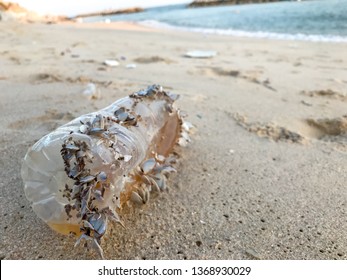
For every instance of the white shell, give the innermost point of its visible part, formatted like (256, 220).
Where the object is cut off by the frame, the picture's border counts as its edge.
(201, 54)
(111, 62)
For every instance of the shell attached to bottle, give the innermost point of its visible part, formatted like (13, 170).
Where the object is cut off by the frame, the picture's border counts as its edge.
(80, 176)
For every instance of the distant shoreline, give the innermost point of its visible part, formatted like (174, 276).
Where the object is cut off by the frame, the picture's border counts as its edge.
(138, 26)
(208, 3)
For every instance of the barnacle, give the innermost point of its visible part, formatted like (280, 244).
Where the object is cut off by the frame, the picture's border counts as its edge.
(81, 175)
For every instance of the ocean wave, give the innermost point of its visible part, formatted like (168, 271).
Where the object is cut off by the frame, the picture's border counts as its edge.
(241, 33)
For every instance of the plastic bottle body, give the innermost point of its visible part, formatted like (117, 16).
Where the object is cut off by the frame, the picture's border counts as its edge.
(116, 140)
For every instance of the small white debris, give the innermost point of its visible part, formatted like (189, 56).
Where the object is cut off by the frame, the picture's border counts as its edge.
(306, 103)
(201, 221)
(131, 66)
(231, 151)
(111, 63)
(201, 54)
(91, 91)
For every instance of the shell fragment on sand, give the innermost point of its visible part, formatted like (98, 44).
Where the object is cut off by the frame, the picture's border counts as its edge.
(111, 63)
(200, 54)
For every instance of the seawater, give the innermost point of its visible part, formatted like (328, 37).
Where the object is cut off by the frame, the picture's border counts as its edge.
(321, 20)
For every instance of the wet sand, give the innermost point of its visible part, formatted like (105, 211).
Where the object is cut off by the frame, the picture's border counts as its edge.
(265, 174)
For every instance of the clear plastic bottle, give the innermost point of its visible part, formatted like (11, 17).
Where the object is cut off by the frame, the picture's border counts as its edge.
(79, 175)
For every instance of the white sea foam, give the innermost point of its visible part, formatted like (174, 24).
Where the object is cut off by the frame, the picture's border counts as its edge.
(240, 33)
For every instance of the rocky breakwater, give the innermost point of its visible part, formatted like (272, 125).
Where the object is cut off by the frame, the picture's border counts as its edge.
(203, 3)
(111, 12)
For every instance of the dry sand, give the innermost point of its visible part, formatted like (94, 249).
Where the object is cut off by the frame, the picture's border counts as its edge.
(264, 177)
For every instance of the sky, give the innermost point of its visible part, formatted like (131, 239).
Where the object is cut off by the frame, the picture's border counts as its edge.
(73, 7)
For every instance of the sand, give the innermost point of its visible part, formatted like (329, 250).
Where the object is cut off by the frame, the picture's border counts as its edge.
(265, 174)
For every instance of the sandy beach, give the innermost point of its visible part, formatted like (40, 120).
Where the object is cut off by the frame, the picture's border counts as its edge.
(264, 177)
